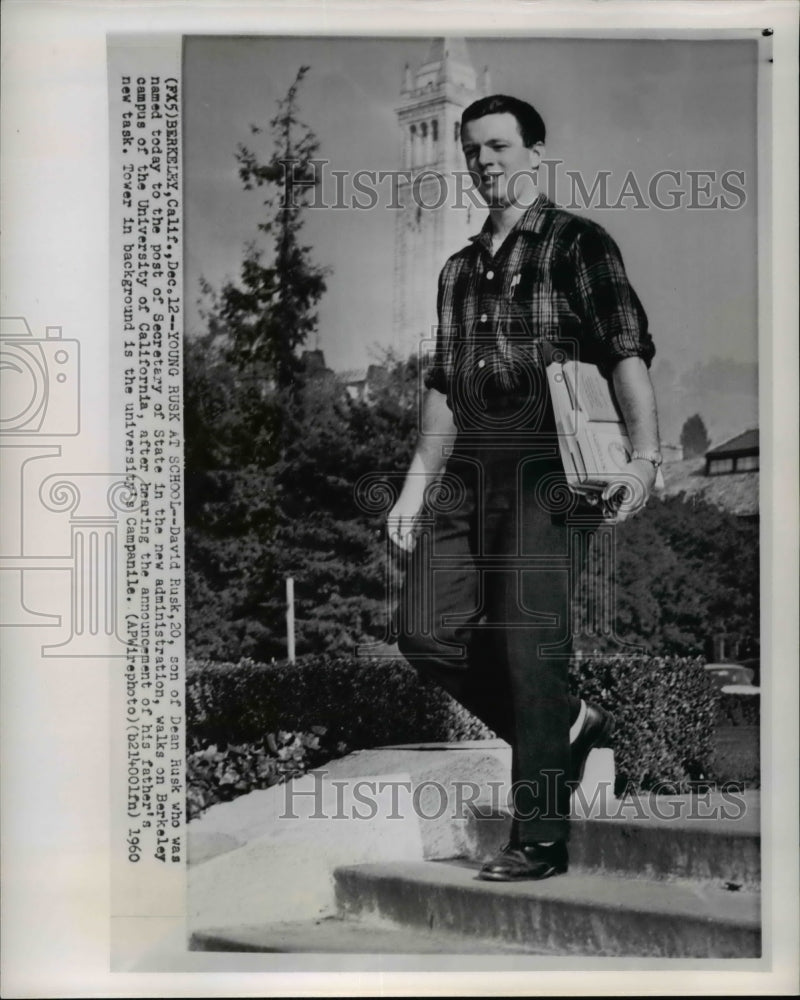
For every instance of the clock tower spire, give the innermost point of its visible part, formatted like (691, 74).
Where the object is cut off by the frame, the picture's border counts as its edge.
(435, 220)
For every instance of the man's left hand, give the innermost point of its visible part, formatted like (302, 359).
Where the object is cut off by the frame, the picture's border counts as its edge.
(636, 482)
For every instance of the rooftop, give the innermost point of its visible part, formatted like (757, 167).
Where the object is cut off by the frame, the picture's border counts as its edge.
(747, 441)
(736, 492)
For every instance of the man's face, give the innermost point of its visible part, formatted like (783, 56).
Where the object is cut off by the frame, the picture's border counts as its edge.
(500, 165)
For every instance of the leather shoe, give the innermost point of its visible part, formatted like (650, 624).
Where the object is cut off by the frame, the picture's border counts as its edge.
(596, 730)
(526, 861)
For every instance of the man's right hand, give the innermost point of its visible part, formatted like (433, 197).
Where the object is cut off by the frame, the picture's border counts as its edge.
(436, 434)
(400, 523)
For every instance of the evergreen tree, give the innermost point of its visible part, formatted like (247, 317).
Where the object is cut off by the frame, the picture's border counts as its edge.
(239, 396)
(270, 313)
(694, 437)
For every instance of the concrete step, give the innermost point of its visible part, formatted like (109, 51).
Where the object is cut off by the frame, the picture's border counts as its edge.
(675, 837)
(332, 935)
(575, 913)
(653, 876)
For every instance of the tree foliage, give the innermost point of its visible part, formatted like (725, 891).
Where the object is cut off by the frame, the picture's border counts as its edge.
(684, 570)
(694, 437)
(271, 311)
(299, 516)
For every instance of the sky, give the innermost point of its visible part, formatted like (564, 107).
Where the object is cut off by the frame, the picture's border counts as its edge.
(617, 105)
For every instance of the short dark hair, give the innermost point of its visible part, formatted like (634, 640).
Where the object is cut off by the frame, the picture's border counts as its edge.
(529, 121)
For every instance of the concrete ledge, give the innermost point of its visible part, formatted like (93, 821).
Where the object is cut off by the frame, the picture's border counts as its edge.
(569, 914)
(285, 872)
(333, 935)
(264, 881)
(665, 837)
(415, 779)
(431, 787)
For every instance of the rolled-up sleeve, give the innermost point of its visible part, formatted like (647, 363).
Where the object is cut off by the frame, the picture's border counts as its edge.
(611, 314)
(438, 366)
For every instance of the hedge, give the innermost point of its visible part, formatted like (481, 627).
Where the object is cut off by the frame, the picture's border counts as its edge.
(666, 711)
(219, 774)
(242, 717)
(360, 702)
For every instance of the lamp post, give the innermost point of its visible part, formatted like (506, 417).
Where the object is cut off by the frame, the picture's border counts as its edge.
(290, 617)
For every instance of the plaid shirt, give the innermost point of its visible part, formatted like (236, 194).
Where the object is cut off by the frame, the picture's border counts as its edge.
(556, 278)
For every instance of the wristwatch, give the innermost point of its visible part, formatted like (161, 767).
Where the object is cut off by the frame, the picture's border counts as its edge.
(648, 456)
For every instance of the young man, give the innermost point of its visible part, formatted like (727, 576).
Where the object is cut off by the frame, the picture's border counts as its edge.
(485, 612)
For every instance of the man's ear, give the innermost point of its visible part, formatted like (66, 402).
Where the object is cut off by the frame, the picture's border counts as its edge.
(536, 152)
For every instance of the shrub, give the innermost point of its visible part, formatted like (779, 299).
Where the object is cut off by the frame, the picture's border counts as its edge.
(666, 712)
(360, 703)
(219, 775)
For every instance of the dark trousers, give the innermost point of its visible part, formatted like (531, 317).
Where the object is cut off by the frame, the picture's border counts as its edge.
(485, 610)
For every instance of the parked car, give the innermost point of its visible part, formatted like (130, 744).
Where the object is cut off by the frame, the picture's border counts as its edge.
(753, 664)
(725, 674)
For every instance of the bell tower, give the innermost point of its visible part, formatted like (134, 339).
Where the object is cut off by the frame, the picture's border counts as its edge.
(436, 216)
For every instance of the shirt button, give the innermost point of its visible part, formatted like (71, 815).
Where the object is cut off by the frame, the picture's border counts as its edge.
(490, 275)
(481, 363)
(484, 317)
